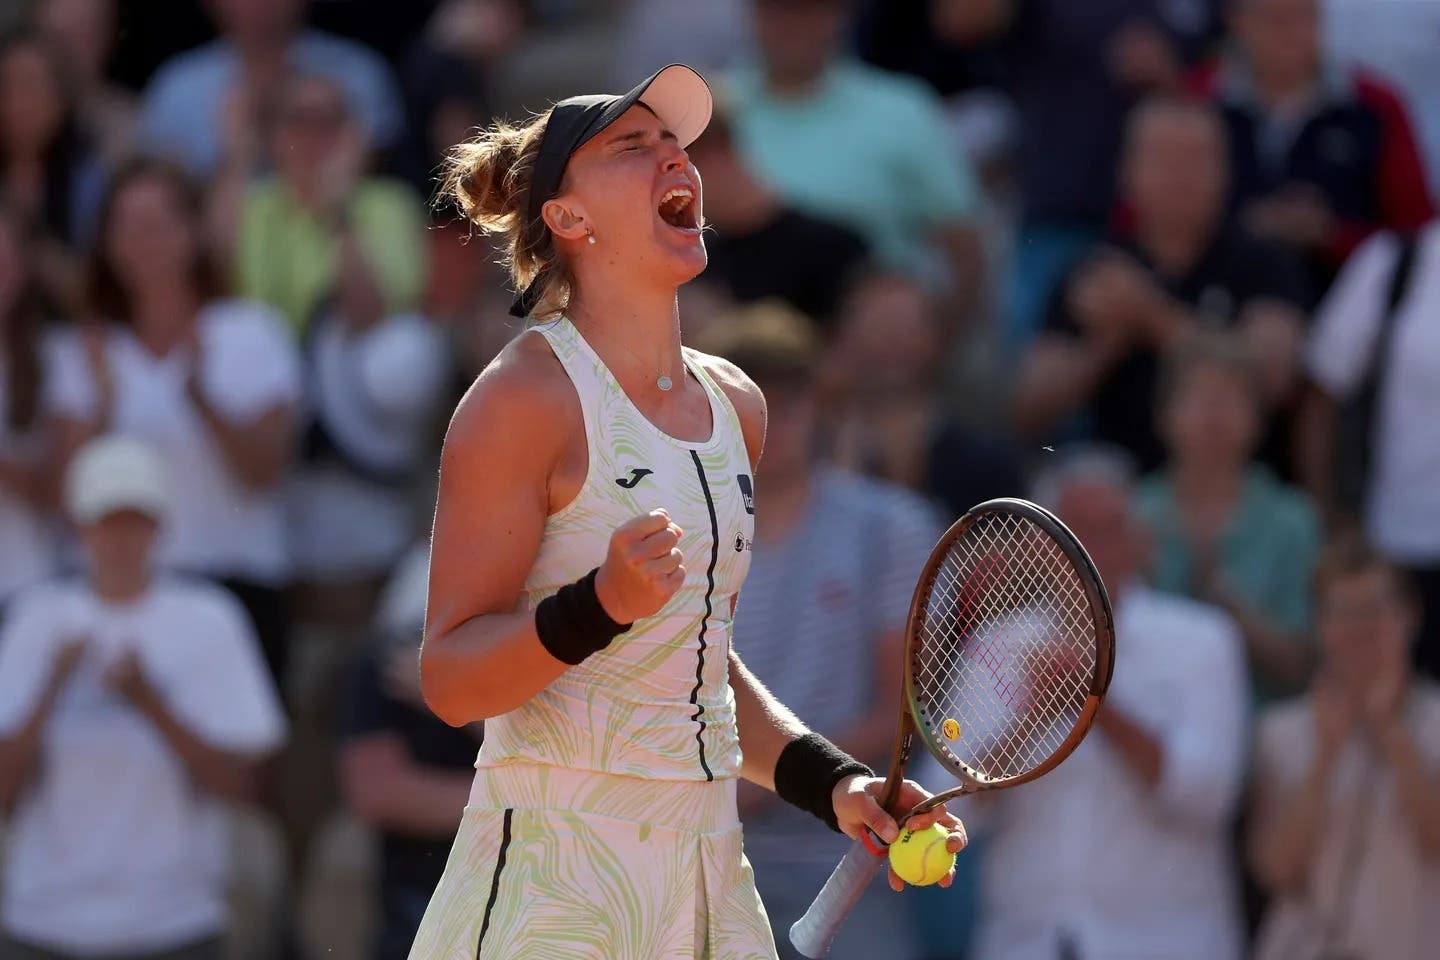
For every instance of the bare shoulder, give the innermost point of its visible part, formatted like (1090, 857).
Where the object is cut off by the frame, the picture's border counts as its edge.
(744, 396)
(522, 400)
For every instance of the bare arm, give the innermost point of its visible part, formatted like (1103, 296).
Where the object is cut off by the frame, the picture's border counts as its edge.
(1056, 379)
(257, 452)
(966, 256)
(766, 725)
(1417, 788)
(481, 656)
(31, 482)
(358, 291)
(500, 478)
(1315, 449)
(1280, 656)
(224, 773)
(387, 787)
(20, 752)
(1288, 827)
(1141, 749)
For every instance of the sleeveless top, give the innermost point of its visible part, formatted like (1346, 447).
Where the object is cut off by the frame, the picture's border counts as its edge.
(657, 702)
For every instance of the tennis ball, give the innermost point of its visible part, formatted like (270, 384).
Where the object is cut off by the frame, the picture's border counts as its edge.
(920, 858)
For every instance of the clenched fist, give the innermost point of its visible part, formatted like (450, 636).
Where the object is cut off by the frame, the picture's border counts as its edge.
(643, 568)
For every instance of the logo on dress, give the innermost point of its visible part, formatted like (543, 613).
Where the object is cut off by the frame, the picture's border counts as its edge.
(742, 543)
(636, 475)
(747, 490)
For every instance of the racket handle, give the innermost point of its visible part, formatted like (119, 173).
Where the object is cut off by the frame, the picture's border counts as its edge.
(813, 933)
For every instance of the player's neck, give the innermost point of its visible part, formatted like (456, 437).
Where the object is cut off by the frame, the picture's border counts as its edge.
(645, 330)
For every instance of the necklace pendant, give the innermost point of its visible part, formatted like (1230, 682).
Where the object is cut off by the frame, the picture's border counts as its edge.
(664, 382)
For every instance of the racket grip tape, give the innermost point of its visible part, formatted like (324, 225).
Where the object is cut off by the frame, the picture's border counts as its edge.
(813, 933)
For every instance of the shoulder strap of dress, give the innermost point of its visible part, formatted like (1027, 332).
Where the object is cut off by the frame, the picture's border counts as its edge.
(586, 371)
(702, 373)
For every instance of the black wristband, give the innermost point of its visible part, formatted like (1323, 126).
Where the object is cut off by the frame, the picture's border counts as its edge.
(807, 771)
(571, 623)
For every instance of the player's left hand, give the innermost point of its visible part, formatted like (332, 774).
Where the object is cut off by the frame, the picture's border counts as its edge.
(856, 808)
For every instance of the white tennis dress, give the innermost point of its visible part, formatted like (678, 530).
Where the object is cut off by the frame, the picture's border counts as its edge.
(602, 821)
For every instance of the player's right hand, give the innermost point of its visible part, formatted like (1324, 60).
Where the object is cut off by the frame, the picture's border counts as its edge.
(643, 568)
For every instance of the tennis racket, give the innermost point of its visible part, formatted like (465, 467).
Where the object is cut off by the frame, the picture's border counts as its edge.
(1009, 648)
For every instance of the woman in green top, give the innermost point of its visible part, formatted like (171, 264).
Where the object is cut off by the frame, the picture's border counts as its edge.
(321, 231)
(1226, 530)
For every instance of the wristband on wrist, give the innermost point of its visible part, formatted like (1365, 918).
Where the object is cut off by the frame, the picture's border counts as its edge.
(572, 624)
(807, 772)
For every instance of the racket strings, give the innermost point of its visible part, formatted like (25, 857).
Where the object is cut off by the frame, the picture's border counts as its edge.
(1006, 650)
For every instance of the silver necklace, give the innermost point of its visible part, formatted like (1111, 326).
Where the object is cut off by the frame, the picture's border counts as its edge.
(662, 381)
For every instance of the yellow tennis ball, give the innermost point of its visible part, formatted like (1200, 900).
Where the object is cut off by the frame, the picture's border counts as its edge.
(920, 858)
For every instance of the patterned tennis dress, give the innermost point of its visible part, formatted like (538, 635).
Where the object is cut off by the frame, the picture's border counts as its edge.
(602, 822)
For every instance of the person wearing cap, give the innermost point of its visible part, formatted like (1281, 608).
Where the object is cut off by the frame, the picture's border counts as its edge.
(592, 531)
(132, 707)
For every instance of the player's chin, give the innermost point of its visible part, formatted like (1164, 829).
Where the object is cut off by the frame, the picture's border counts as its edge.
(682, 247)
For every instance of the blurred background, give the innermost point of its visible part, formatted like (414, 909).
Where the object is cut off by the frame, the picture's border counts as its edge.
(1170, 266)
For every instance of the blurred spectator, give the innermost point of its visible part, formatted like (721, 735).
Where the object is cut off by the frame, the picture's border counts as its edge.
(132, 707)
(821, 624)
(343, 256)
(405, 773)
(47, 171)
(1074, 69)
(1122, 850)
(84, 32)
(1402, 44)
(1371, 432)
(1226, 531)
(846, 141)
(1182, 267)
(446, 97)
(1346, 830)
(27, 546)
(195, 96)
(762, 247)
(373, 397)
(709, 36)
(213, 383)
(1321, 155)
(904, 36)
(886, 420)
(386, 27)
(321, 233)
(448, 76)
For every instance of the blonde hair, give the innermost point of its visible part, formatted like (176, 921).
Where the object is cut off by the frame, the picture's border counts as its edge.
(489, 177)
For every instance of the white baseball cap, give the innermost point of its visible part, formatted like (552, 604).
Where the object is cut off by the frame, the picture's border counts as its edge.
(115, 473)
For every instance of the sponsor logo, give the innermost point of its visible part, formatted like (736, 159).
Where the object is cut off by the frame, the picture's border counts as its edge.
(636, 475)
(747, 490)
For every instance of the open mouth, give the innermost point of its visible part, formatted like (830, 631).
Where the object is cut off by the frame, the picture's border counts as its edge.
(677, 208)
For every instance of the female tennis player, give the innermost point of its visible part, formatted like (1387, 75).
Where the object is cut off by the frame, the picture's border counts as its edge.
(591, 536)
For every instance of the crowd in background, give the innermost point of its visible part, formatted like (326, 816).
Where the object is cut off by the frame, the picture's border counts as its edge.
(1170, 267)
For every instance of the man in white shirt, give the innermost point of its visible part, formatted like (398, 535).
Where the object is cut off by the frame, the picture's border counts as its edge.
(1123, 850)
(1346, 357)
(131, 707)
